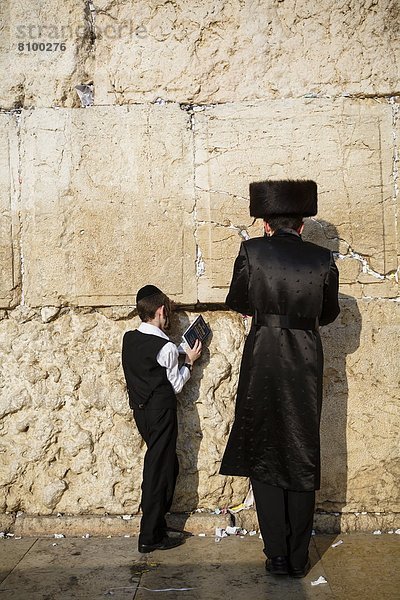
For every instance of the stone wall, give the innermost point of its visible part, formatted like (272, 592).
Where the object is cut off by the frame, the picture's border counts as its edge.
(188, 103)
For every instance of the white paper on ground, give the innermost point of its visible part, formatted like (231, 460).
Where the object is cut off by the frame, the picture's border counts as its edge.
(319, 581)
(232, 530)
(220, 532)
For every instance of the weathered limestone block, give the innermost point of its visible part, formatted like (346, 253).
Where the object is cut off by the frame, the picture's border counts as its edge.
(74, 526)
(316, 139)
(40, 72)
(381, 289)
(68, 438)
(107, 202)
(242, 51)
(136, 51)
(9, 276)
(349, 270)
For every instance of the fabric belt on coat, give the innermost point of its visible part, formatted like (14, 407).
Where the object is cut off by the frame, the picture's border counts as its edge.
(285, 321)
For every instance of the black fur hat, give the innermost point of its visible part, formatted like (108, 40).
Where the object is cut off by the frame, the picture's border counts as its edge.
(285, 197)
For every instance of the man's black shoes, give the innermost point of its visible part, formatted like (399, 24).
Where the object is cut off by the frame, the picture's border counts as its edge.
(277, 565)
(166, 544)
(298, 573)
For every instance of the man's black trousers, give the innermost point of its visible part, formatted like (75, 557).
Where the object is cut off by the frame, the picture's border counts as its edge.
(286, 519)
(159, 429)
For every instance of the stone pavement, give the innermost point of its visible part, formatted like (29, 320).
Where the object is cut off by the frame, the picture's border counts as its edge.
(363, 567)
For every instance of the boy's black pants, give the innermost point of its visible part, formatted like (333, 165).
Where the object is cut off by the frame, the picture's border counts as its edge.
(159, 428)
(286, 519)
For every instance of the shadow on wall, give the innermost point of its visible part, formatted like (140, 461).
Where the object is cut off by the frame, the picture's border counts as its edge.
(186, 497)
(339, 339)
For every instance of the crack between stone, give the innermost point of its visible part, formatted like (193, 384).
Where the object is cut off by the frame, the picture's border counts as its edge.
(199, 261)
(90, 16)
(395, 168)
(198, 107)
(17, 205)
(240, 229)
(183, 307)
(223, 192)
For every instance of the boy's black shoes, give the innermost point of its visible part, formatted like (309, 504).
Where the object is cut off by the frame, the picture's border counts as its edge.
(165, 544)
(298, 573)
(277, 565)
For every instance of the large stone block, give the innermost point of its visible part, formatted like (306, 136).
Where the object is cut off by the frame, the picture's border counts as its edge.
(36, 69)
(107, 203)
(9, 255)
(205, 52)
(344, 145)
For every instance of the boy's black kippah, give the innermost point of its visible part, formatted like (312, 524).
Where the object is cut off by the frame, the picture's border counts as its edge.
(146, 291)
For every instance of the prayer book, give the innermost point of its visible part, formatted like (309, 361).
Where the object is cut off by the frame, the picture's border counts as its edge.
(198, 330)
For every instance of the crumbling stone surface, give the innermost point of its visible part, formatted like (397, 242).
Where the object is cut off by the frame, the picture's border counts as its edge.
(69, 443)
(68, 438)
(43, 50)
(197, 52)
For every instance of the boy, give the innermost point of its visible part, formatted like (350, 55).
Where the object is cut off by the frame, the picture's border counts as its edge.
(153, 377)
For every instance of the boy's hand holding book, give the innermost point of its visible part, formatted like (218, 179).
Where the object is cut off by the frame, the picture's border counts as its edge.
(192, 354)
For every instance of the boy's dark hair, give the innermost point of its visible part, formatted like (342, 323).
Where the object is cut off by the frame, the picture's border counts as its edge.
(147, 307)
(284, 222)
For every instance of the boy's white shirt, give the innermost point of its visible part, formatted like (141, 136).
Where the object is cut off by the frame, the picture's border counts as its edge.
(168, 358)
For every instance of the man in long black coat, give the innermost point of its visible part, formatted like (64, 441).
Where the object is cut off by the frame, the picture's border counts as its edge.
(290, 288)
